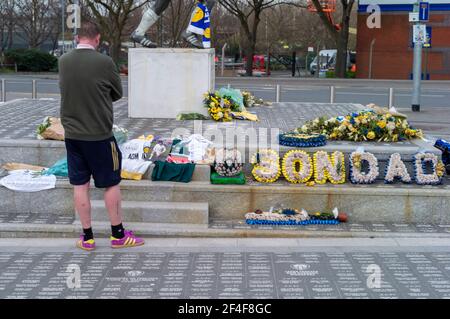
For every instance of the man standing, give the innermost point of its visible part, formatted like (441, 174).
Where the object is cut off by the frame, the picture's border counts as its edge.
(89, 84)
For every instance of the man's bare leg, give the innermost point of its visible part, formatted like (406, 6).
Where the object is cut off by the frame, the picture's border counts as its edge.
(113, 203)
(152, 12)
(83, 204)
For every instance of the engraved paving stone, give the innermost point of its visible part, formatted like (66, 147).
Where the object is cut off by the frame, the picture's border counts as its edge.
(284, 274)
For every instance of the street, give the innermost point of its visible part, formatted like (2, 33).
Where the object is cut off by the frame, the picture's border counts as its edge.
(434, 93)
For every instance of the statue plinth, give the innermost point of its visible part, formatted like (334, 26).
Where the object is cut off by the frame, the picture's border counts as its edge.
(165, 82)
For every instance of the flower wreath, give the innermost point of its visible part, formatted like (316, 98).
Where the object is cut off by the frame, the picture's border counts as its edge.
(291, 216)
(420, 163)
(357, 175)
(290, 161)
(326, 168)
(302, 140)
(396, 169)
(228, 162)
(266, 166)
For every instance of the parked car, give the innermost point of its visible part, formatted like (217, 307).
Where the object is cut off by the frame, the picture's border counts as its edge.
(328, 60)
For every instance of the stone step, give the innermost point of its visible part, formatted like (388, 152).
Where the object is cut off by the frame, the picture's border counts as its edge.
(156, 212)
(46, 153)
(103, 229)
(363, 203)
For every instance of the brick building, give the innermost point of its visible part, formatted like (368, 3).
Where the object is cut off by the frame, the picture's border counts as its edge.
(392, 53)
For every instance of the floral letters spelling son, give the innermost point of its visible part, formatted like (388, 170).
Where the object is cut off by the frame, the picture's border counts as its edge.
(300, 167)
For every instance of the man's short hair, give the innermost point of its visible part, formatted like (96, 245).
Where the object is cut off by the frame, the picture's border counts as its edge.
(88, 29)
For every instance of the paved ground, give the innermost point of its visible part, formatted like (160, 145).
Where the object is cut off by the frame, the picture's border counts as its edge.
(21, 117)
(434, 94)
(356, 228)
(228, 268)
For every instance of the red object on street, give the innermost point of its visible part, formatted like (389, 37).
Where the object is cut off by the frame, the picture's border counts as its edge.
(259, 63)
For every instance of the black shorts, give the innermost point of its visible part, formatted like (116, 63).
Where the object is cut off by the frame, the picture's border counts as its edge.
(100, 159)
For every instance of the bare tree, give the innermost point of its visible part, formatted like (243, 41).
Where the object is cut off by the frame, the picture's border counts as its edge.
(176, 18)
(113, 17)
(35, 20)
(6, 24)
(340, 34)
(249, 13)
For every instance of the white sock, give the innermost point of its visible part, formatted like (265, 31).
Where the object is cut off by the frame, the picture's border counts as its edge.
(149, 18)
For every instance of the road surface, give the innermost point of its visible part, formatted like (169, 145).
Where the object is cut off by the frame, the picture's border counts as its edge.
(434, 93)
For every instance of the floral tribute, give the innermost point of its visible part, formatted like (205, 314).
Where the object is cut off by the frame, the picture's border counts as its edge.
(219, 108)
(364, 125)
(266, 166)
(396, 169)
(228, 162)
(360, 160)
(292, 216)
(329, 168)
(295, 139)
(251, 101)
(421, 161)
(297, 166)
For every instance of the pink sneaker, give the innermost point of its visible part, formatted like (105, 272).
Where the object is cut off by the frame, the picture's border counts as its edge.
(129, 240)
(86, 244)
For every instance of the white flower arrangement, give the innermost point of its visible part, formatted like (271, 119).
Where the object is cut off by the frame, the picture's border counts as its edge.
(290, 161)
(294, 217)
(228, 162)
(396, 169)
(420, 162)
(275, 217)
(266, 166)
(357, 175)
(326, 168)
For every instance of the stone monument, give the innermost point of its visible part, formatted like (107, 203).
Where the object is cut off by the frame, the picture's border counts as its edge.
(166, 82)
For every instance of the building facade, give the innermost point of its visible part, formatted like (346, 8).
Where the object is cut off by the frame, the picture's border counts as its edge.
(389, 49)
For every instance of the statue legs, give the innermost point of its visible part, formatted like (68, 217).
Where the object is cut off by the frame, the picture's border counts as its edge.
(199, 26)
(151, 15)
(152, 12)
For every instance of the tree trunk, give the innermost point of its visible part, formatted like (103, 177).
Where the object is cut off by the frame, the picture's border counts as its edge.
(251, 39)
(10, 38)
(249, 54)
(115, 49)
(342, 45)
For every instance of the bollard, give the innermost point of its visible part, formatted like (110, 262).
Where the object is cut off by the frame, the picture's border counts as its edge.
(34, 90)
(3, 96)
(332, 94)
(278, 93)
(391, 97)
(229, 86)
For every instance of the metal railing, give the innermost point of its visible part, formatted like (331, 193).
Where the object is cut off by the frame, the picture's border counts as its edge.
(332, 96)
(277, 92)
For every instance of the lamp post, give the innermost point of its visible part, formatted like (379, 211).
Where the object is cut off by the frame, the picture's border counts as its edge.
(63, 24)
(417, 64)
(77, 23)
